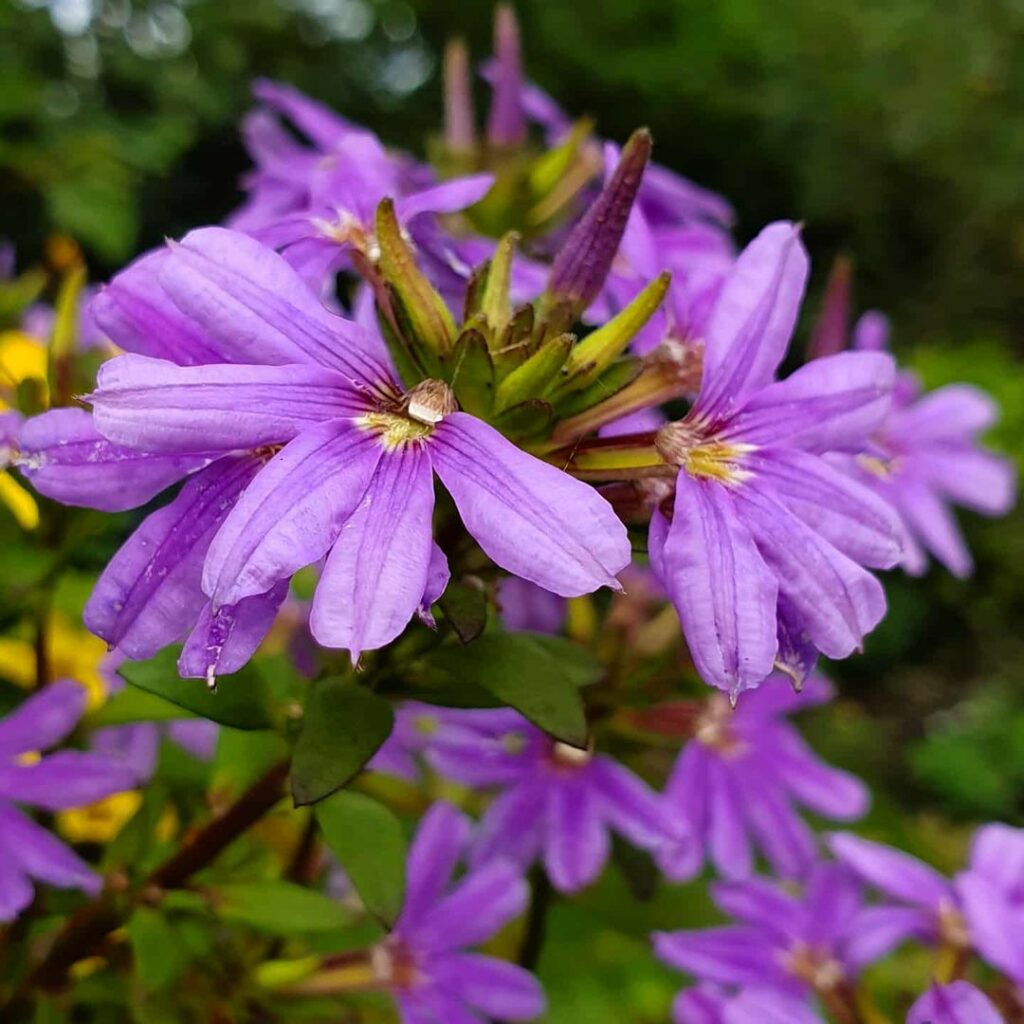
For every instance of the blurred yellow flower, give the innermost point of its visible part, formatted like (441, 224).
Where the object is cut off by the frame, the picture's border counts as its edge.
(99, 822)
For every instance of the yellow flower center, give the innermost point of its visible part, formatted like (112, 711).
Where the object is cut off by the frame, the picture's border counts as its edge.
(687, 446)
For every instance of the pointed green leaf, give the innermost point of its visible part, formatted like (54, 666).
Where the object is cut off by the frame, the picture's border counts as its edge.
(343, 726)
(465, 609)
(368, 842)
(589, 359)
(278, 908)
(241, 700)
(496, 306)
(614, 379)
(472, 376)
(538, 676)
(532, 378)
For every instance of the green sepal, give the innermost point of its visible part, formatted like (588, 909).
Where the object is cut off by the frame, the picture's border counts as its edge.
(472, 374)
(495, 305)
(619, 375)
(526, 420)
(589, 359)
(421, 307)
(515, 344)
(409, 369)
(532, 378)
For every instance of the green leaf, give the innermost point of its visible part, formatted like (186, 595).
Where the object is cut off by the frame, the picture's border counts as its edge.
(473, 374)
(539, 676)
(532, 378)
(343, 726)
(526, 419)
(465, 609)
(278, 908)
(368, 842)
(241, 700)
(135, 705)
(155, 947)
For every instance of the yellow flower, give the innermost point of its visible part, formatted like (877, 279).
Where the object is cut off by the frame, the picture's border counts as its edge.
(21, 504)
(99, 822)
(22, 357)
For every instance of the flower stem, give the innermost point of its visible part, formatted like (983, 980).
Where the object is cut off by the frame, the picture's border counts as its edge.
(537, 921)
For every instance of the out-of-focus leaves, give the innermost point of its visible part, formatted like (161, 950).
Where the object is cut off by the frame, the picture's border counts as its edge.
(136, 705)
(465, 608)
(241, 700)
(278, 908)
(368, 842)
(342, 727)
(159, 957)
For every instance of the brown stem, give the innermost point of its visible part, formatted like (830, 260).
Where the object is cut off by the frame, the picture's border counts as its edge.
(841, 1002)
(86, 930)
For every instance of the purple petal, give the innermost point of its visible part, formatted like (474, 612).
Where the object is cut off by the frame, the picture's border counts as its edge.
(825, 790)
(727, 835)
(292, 512)
(506, 123)
(497, 989)
(753, 320)
(527, 607)
(68, 778)
(977, 480)
(42, 720)
(531, 518)
(438, 575)
(786, 841)
(836, 600)
(699, 1006)
(847, 514)
(897, 874)
(149, 595)
(440, 841)
(376, 574)
(763, 1006)
(138, 316)
(15, 887)
(730, 955)
(222, 641)
(448, 197)
(687, 797)
(871, 332)
(997, 852)
(576, 842)
(134, 746)
(629, 805)
(995, 925)
(836, 402)
(721, 587)
(953, 413)
(759, 903)
(67, 459)
(481, 905)
(321, 124)
(957, 1003)
(877, 931)
(254, 305)
(43, 856)
(512, 827)
(933, 524)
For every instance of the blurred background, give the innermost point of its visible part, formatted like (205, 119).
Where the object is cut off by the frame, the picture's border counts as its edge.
(894, 128)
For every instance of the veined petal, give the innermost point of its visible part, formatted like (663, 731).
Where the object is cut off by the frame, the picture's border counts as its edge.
(994, 924)
(68, 778)
(877, 931)
(376, 573)
(438, 575)
(498, 989)
(827, 791)
(160, 407)
(727, 832)
(837, 601)
(440, 841)
(252, 303)
(852, 518)
(892, 872)
(721, 587)
(687, 797)
(138, 316)
(222, 641)
(997, 852)
(315, 120)
(779, 831)
(67, 459)
(293, 511)
(953, 413)
(531, 518)
(512, 827)
(753, 319)
(149, 594)
(932, 523)
(448, 197)
(43, 720)
(729, 955)
(576, 842)
(630, 806)
(830, 403)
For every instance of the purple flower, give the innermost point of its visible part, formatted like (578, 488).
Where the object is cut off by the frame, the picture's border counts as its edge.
(51, 782)
(926, 457)
(958, 1003)
(763, 549)
(310, 450)
(555, 802)
(797, 946)
(423, 962)
(527, 607)
(415, 726)
(710, 1005)
(736, 784)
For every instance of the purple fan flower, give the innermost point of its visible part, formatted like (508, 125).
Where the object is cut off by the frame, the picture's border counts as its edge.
(525, 607)
(736, 784)
(415, 726)
(710, 1005)
(958, 1003)
(817, 944)
(423, 962)
(763, 549)
(926, 457)
(310, 450)
(52, 782)
(556, 802)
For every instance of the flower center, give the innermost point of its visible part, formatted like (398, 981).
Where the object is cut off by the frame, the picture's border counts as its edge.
(688, 446)
(715, 730)
(421, 409)
(565, 756)
(815, 966)
(953, 928)
(394, 965)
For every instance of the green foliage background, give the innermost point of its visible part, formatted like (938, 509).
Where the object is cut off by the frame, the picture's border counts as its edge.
(894, 128)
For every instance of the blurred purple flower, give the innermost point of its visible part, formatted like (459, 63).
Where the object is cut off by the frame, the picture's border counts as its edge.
(736, 785)
(555, 802)
(710, 1005)
(51, 782)
(763, 554)
(525, 607)
(423, 962)
(796, 946)
(958, 1003)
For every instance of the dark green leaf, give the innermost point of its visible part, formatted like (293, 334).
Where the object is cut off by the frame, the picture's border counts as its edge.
(158, 959)
(136, 705)
(343, 726)
(472, 376)
(368, 842)
(241, 700)
(465, 608)
(279, 908)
